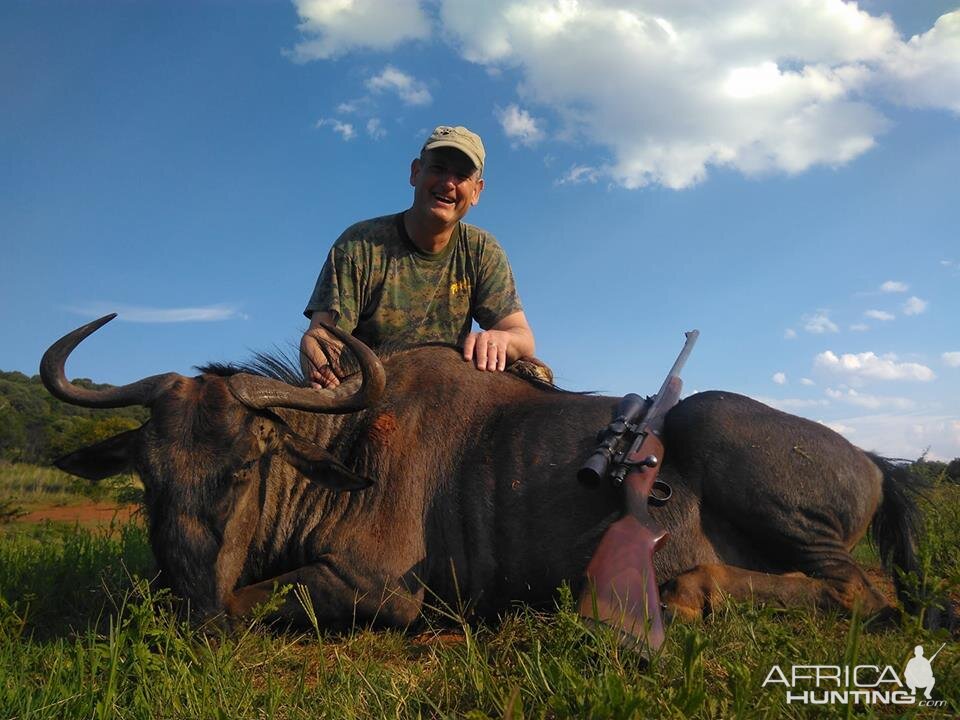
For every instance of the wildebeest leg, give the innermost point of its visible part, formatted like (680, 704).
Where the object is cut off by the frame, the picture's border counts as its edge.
(340, 598)
(697, 591)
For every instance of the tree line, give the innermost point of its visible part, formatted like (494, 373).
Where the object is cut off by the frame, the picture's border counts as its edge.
(37, 428)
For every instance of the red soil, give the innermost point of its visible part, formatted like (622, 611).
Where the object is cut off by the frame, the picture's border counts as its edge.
(92, 513)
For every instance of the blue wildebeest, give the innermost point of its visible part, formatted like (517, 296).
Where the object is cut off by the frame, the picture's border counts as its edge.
(419, 477)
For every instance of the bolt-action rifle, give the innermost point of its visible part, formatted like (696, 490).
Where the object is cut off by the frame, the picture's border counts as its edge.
(620, 588)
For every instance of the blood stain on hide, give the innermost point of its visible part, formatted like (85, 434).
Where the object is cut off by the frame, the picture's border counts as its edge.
(382, 428)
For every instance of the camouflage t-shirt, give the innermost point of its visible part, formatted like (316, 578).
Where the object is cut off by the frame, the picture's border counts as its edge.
(383, 288)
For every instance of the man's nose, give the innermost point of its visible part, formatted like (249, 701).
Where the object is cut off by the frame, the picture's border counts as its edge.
(450, 178)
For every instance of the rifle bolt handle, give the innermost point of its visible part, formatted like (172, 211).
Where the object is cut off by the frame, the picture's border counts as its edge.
(650, 461)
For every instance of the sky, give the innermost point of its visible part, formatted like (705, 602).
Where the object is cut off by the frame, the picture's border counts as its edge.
(781, 176)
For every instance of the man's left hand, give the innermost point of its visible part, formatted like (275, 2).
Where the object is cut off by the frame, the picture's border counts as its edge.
(507, 341)
(487, 349)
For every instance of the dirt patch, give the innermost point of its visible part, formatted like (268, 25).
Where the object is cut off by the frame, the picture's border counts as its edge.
(92, 513)
(882, 582)
(439, 637)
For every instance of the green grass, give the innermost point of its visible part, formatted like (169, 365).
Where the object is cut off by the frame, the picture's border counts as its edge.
(83, 635)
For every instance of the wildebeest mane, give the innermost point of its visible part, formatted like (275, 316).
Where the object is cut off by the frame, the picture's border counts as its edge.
(283, 365)
(277, 365)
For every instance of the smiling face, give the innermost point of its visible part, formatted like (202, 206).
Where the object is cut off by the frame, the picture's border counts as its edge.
(446, 185)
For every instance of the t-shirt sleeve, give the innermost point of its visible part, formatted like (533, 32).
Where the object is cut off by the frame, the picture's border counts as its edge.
(338, 289)
(495, 293)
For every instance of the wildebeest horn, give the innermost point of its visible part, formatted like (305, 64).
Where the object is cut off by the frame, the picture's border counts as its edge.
(142, 392)
(354, 394)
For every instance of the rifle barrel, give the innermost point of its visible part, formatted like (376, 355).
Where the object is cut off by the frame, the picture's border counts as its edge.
(681, 358)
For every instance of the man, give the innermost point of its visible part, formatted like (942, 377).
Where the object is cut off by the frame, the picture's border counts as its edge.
(423, 275)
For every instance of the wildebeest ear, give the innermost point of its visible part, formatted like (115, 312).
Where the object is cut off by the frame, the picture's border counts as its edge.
(108, 457)
(320, 466)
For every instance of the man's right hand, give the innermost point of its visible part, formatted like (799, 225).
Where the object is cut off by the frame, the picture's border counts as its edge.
(320, 352)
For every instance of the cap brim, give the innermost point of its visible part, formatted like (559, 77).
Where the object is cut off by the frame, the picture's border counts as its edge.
(472, 156)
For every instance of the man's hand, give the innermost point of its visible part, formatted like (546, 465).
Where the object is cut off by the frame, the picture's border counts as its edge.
(320, 352)
(504, 343)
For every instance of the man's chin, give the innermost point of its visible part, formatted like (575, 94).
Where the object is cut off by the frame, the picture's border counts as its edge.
(444, 213)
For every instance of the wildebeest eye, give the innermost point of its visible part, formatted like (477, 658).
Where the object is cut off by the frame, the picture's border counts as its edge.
(249, 464)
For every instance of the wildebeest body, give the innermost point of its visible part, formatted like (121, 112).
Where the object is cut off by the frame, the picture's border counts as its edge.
(475, 501)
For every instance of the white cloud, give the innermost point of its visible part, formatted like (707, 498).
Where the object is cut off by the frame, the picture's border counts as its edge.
(871, 366)
(914, 306)
(951, 359)
(141, 314)
(580, 174)
(894, 286)
(840, 428)
(879, 315)
(871, 402)
(789, 334)
(344, 129)
(333, 27)
(906, 436)
(859, 327)
(779, 378)
(819, 323)
(672, 89)
(375, 129)
(791, 404)
(410, 90)
(807, 381)
(519, 125)
(923, 71)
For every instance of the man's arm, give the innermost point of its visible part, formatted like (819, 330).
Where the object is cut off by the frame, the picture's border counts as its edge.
(507, 341)
(319, 350)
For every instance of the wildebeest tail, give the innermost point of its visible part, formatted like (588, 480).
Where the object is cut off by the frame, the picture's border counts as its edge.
(896, 526)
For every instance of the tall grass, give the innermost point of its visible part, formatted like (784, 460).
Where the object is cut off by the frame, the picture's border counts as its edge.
(24, 486)
(28, 485)
(84, 635)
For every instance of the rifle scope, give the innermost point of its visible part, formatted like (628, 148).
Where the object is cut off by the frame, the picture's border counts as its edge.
(629, 410)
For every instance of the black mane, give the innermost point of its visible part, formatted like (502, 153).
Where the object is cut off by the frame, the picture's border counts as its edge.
(276, 365)
(284, 365)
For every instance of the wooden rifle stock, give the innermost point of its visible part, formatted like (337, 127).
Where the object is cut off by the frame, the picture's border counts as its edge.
(621, 587)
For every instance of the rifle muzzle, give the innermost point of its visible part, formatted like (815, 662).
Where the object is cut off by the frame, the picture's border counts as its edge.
(595, 467)
(629, 410)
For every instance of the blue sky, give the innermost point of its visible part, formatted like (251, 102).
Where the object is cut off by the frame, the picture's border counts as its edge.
(780, 176)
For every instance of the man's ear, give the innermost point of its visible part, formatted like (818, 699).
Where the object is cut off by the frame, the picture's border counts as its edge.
(476, 195)
(320, 466)
(108, 457)
(415, 168)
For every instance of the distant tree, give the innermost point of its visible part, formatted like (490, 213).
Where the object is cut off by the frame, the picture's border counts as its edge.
(36, 427)
(69, 434)
(13, 435)
(953, 470)
(929, 472)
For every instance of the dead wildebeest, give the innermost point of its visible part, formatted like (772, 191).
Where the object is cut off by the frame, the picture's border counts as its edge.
(424, 473)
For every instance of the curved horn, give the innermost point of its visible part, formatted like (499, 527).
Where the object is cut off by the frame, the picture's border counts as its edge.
(350, 396)
(142, 392)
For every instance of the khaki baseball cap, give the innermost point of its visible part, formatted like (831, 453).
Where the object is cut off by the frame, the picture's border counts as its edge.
(467, 142)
